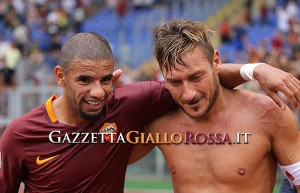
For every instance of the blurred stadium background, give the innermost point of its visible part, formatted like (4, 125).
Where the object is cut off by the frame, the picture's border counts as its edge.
(32, 32)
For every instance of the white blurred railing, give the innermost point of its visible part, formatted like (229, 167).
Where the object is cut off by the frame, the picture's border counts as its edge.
(18, 101)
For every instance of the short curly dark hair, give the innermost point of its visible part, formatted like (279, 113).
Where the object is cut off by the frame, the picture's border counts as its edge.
(85, 46)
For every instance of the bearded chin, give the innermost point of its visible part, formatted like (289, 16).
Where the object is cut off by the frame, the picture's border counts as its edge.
(91, 116)
(211, 101)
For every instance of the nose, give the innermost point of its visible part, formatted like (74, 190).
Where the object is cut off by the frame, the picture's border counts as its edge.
(97, 91)
(189, 92)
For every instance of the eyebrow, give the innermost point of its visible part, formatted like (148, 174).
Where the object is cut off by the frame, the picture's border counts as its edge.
(170, 79)
(197, 72)
(82, 76)
(110, 75)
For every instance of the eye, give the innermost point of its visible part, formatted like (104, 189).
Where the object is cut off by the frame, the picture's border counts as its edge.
(174, 82)
(195, 78)
(84, 79)
(106, 80)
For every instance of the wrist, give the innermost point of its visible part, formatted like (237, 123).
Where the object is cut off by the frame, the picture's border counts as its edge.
(248, 72)
(257, 70)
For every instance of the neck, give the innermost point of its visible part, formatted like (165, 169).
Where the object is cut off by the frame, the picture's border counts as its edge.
(66, 114)
(219, 105)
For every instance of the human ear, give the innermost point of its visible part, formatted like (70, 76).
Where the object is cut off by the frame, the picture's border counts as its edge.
(60, 76)
(216, 61)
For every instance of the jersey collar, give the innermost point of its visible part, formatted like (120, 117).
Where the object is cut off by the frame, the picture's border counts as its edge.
(49, 109)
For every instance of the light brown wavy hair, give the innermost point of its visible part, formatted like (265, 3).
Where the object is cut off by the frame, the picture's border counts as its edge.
(178, 36)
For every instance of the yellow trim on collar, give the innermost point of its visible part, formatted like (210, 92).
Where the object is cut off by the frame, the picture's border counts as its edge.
(49, 109)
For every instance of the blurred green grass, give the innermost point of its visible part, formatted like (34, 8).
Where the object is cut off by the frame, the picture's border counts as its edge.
(162, 185)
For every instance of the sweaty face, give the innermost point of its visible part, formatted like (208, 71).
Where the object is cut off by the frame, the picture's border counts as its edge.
(194, 88)
(88, 84)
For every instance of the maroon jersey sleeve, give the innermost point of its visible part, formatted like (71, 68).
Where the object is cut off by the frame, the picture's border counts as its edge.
(147, 100)
(11, 163)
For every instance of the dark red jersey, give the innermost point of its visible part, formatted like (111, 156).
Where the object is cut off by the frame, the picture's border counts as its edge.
(61, 163)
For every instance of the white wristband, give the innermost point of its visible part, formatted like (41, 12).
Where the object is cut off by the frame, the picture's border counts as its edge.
(247, 70)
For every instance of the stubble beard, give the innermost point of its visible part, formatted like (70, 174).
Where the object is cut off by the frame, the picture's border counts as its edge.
(91, 116)
(213, 99)
(211, 102)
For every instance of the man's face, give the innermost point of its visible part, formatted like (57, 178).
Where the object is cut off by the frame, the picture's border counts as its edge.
(88, 84)
(195, 87)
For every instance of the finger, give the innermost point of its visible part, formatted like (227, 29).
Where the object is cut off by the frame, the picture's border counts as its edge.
(295, 82)
(275, 98)
(117, 74)
(293, 93)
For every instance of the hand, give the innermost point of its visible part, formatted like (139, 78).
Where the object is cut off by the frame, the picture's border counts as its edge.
(116, 75)
(272, 80)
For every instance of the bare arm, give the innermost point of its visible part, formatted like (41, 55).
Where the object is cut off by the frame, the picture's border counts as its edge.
(229, 75)
(271, 81)
(285, 137)
(140, 150)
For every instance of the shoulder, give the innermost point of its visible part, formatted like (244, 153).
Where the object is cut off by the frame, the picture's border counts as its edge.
(27, 122)
(165, 121)
(20, 131)
(140, 95)
(139, 89)
(256, 102)
(267, 112)
(140, 102)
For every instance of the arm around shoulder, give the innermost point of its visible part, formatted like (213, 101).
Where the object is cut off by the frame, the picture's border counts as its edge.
(270, 79)
(140, 150)
(230, 76)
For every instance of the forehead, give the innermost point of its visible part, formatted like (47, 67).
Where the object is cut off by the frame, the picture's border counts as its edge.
(195, 60)
(92, 67)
